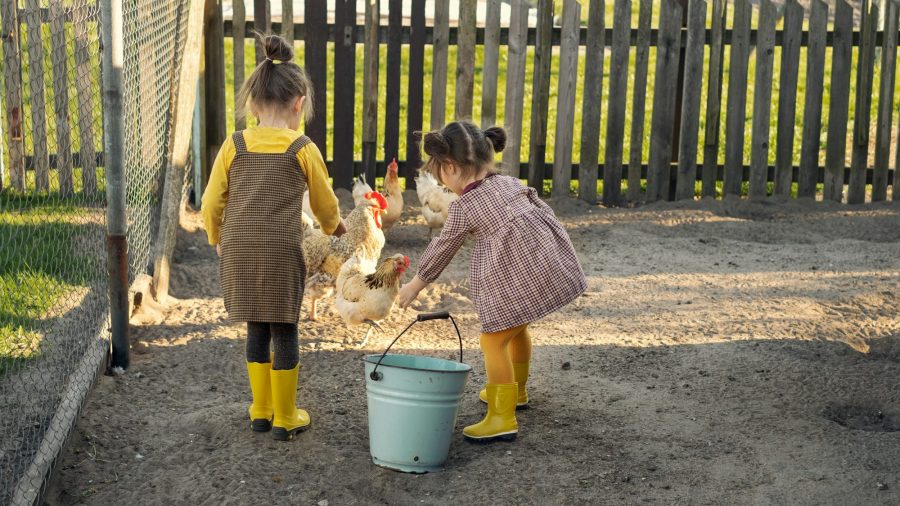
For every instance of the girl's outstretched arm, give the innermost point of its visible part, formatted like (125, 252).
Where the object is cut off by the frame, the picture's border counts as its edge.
(438, 255)
(443, 248)
(410, 291)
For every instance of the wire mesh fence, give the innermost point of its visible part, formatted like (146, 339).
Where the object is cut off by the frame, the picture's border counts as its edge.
(54, 302)
(153, 32)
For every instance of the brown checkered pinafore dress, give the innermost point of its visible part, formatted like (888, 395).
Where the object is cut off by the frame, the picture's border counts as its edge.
(262, 269)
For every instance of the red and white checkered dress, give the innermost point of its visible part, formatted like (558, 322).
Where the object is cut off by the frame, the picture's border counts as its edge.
(523, 265)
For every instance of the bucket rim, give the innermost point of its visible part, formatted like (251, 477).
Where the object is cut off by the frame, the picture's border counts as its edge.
(376, 356)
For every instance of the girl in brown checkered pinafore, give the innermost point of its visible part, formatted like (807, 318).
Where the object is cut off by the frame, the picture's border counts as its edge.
(523, 265)
(252, 208)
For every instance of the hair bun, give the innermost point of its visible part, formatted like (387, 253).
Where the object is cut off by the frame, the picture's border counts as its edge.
(435, 144)
(497, 137)
(278, 49)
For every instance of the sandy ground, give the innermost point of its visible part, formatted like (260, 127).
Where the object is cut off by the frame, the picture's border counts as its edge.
(726, 353)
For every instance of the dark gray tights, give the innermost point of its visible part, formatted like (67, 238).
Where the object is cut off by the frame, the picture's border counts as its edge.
(284, 340)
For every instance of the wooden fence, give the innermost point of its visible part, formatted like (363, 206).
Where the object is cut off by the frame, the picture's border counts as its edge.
(690, 39)
(70, 33)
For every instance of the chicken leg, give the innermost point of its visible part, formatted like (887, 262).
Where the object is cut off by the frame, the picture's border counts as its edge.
(372, 326)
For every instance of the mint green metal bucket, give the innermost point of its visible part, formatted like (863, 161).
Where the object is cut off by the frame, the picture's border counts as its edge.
(412, 403)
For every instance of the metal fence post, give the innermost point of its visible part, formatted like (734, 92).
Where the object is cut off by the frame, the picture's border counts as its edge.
(114, 142)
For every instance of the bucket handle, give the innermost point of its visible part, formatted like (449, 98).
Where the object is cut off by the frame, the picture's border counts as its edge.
(421, 317)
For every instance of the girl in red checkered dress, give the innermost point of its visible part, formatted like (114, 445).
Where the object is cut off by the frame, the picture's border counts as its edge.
(523, 264)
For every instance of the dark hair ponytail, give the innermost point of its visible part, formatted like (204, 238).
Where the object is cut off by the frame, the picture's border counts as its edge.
(497, 137)
(277, 80)
(463, 144)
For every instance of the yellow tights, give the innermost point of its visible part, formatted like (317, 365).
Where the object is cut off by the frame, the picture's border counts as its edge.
(503, 348)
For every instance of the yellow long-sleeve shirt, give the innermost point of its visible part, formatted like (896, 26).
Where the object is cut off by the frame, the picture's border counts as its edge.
(270, 140)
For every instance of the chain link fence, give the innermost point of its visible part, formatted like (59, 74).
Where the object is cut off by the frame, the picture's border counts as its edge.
(54, 302)
(153, 31)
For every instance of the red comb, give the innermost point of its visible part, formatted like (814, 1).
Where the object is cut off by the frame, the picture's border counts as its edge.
(382, 202)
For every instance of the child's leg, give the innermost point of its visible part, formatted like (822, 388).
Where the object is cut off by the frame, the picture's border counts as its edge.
(285, 342)
(520, 355)
(501, 392)
(259, 372)
(519, 351)
(258, 338)
(288, 419)
(497, 363)
(520, 346)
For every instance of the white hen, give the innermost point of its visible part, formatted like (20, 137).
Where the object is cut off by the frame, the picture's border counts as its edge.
(360, 189)
(435, 200)
(367, 295)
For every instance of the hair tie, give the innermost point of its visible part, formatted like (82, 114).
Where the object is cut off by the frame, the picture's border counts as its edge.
(274, 62)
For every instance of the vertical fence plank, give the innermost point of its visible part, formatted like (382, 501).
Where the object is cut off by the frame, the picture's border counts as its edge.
(515, 86)
(415, 92)
(663, 120)
(38, 104)
(812, 113)
(491, 64)
(315, 17)
(84, 96)
(641, 58)
(238, 31)
(787, 97)
(565, 108)
(714, 101)
(392, 86)
(540, 98)
(762, 100)
(344, 92)
(441, 38)
(61, 97)
(214, 73)
(885, 103)
(590, 115)
(836, 151)
(287, 20)
(615, 117)
(262, 23)
(12, 80)
(465, 60)
(737, 98)
(184, 97)
(370, 84)
(856, 190)
(690, 103)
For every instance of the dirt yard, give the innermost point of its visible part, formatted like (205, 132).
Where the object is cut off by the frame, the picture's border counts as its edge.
(725, 353)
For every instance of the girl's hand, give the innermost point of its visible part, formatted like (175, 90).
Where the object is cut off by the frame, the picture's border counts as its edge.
(218, 250)
(340, 230)
(409, 292)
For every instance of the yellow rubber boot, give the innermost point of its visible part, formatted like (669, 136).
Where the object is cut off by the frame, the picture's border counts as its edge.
(260, 386)
(500, 421)
(520, 374)
(288, 420)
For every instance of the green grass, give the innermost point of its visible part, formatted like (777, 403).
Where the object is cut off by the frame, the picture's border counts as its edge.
(40, 266)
